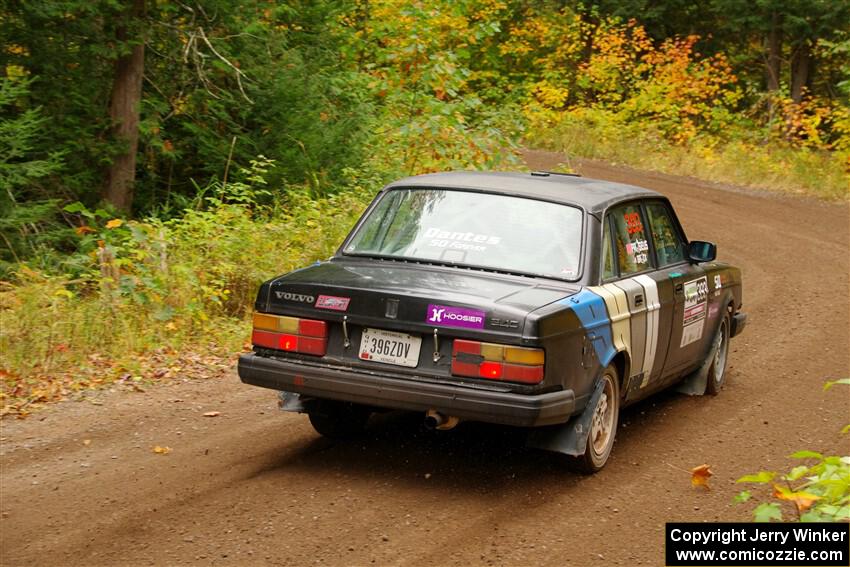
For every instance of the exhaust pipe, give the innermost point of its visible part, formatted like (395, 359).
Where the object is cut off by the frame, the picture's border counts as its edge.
(442, 422)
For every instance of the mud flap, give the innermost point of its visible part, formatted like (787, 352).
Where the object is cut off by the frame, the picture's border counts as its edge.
(696, 382)
(569, 438)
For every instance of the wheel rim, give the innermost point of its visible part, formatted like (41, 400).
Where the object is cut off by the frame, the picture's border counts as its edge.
(602, 425)
(720, 355)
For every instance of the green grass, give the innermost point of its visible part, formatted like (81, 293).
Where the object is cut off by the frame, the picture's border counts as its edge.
(770, 166)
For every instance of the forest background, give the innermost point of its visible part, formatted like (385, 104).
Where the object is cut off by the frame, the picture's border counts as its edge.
(159, 159)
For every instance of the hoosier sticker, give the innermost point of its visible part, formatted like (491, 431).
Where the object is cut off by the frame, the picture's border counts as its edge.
(447, 316)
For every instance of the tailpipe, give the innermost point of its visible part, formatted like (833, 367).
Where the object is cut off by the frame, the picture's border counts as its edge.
(440, 421)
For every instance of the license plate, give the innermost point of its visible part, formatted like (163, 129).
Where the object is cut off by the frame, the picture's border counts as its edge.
(390, 347)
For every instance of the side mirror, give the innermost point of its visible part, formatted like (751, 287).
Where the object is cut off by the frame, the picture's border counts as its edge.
(699, 251)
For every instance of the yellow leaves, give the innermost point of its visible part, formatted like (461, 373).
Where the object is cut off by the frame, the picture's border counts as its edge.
(161, 450)
(16, 71)
(803, 123)
(550, 96)
(178, 105)
(40, 395)
(802, 500)
(15, 49)
(62, 292)
(114, 223)
(700, 476)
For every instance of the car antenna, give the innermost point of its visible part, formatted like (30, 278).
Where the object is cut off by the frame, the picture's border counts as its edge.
(548, 173)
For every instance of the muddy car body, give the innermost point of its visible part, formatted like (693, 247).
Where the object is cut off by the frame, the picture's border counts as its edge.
(538, 300)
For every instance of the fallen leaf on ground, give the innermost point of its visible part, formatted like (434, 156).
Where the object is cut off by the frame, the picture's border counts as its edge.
(86, 442)
(212, 414)
(161, 450)
(700, 476)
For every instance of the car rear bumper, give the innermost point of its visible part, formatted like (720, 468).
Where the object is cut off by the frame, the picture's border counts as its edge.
(383, 390)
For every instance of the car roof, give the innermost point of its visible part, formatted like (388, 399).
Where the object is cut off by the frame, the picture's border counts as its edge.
(593, 195)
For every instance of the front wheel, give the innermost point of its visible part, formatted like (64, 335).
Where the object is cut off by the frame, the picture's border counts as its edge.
(338, 420)
(603, 425)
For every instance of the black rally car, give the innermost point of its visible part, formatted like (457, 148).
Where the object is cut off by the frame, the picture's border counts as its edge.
(539, 300)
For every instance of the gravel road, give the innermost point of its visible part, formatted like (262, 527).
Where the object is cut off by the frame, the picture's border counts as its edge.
(80, 484)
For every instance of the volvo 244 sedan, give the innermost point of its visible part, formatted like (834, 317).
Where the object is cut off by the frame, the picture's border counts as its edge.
(538, 300)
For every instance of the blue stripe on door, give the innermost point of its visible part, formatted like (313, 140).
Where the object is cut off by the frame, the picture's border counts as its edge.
(590, 310)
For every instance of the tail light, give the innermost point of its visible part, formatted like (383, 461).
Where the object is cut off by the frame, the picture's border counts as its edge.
(307, 336)
(497, 362)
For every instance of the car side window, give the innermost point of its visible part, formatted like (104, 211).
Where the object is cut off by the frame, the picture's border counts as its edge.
(669, 246)
(608, 270)
(630, 239)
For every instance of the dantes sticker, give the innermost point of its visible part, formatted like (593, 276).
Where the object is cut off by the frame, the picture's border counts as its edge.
(455, 317)
(332, 302)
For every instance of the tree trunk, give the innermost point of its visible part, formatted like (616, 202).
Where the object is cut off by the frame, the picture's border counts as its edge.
(591, 23)
(774, 52)
(800, 68)
(124, 111)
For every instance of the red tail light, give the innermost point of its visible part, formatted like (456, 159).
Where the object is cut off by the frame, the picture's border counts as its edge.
(497, 362)
(291, 334)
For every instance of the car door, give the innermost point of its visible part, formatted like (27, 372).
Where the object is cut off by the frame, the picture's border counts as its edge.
(687, 285)
(639, 302)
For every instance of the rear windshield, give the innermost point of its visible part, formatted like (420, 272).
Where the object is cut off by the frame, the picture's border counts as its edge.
(483, 230)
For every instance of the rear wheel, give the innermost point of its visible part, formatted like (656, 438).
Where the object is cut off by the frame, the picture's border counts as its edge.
(603, 425)
(338, 420)
(717, 371)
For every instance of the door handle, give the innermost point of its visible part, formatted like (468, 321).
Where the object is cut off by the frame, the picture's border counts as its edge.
(679, 288)
(639, 300)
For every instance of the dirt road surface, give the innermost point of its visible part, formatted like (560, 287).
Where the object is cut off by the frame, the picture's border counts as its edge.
(257, 486)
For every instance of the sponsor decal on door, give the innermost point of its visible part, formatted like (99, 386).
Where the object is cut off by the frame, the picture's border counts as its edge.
(693, 317)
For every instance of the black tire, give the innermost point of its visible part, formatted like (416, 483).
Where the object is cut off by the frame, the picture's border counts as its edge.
(338, 420)
(603, 426)
(717, 371)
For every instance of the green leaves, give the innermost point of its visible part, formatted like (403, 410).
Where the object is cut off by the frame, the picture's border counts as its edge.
(742, 497)
(766, 512)
(762, 477)
(832, 383)
(807, 455)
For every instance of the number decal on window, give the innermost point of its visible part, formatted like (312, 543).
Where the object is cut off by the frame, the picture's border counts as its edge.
(633, 222)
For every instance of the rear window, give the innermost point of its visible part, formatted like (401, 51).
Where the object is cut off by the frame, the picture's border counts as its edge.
(483, 230)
